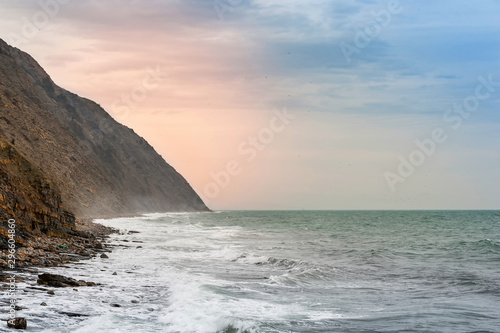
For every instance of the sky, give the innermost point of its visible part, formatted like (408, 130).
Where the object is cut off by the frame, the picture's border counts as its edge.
(273, 104)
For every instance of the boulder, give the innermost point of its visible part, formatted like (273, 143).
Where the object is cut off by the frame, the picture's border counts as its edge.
(19, 323)
(55, 280)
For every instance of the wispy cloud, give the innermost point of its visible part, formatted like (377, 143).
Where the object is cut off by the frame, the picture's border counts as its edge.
(225, 76)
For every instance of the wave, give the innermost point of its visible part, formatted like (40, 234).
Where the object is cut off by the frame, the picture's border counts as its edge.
(483, 245)
(297, 272)
(286, 263)
(232, 329)
(308, 277)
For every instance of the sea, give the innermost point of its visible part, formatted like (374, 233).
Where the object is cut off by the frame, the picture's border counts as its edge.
(284, 271)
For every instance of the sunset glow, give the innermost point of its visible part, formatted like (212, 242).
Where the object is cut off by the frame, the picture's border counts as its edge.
(199, 88)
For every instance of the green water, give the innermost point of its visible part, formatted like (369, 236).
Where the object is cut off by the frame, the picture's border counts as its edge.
(289, 271)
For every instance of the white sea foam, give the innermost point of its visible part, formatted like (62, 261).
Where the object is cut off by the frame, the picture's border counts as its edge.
(204, 273)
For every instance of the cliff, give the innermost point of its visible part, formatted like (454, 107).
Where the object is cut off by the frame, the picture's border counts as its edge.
(31, 199)
(99, 167)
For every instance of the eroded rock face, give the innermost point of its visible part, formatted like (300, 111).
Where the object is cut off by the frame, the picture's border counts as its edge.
(101, 168)
(27, 196)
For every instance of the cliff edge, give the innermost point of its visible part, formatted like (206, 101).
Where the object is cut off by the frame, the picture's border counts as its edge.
(93, 165)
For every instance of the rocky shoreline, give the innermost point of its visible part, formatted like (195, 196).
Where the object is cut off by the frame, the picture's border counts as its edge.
(44, 251)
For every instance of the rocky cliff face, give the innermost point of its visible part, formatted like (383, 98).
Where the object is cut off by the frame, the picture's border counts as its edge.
(101, 168)
(27, 196)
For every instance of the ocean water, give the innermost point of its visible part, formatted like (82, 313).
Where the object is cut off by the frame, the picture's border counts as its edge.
(286, 271)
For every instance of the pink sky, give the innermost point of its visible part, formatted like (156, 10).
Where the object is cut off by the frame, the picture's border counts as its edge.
(218, 83)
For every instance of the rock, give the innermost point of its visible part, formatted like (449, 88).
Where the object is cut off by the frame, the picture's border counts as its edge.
(55, 280)
(104, 256)
(51, 292)
(73, 314)
(116, 305)
(28, 194)
(36, 288)
(19, 323)
(133, 232)
(99, 246)
(43, 304)
(114, 273)
(139, 247)
(134, 301)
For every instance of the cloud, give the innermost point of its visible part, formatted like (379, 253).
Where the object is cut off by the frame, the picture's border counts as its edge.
(221, 78)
